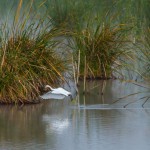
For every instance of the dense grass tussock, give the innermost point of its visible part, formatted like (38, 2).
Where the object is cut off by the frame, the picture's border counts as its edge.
(28, 60)
(103, 50)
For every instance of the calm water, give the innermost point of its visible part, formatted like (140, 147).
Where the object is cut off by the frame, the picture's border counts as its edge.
(90, 122)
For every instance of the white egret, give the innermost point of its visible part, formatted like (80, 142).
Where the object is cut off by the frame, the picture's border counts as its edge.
(58, 91)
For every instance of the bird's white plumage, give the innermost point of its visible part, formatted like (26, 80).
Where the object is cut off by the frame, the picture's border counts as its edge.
(50, 95)
(58, 90)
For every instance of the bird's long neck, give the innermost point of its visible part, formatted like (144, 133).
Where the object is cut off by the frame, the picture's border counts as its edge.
(48, 86)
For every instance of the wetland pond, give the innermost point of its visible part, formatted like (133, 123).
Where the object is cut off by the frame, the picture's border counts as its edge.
(88, 122)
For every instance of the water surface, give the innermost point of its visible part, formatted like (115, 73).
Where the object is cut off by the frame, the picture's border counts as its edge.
(83, 124)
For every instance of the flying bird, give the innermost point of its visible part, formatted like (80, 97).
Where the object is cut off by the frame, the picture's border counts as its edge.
(56, 91)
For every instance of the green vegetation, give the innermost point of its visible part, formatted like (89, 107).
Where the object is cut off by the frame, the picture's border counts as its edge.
(73, 14)
(103, 49)
(99, 38)
(28, 60)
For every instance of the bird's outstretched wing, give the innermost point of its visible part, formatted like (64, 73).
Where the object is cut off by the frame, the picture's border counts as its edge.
(50, 95)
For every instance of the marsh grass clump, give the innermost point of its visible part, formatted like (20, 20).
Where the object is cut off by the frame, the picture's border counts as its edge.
(28, 60)
(104, 50)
